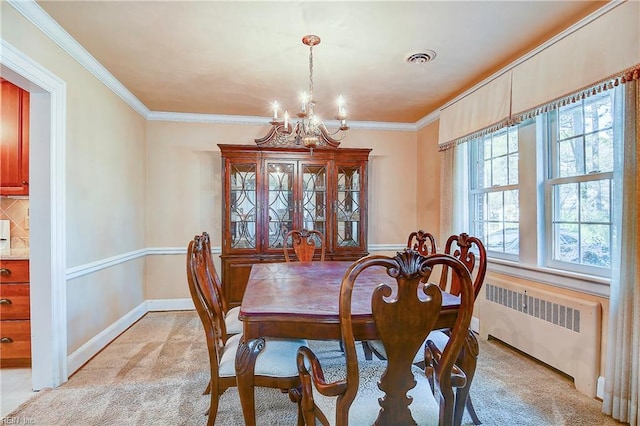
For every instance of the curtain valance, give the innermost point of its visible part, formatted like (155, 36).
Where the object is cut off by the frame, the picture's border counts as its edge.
(565, 70)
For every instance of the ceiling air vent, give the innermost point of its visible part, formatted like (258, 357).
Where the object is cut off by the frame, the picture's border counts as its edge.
(421, 57)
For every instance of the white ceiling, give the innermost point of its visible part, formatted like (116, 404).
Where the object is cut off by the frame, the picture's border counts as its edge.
(237, 57)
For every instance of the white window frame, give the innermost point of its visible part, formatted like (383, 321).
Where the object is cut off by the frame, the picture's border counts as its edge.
(549, 139)
(478, 226)
(535, 220)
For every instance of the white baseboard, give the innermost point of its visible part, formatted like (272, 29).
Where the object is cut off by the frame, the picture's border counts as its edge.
(155, 305)
(85, 352)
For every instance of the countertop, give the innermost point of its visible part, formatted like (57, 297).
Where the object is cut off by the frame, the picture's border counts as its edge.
(14, 254)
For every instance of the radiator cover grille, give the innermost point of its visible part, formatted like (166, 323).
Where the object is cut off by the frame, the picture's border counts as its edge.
(555, 313)
(561, 330)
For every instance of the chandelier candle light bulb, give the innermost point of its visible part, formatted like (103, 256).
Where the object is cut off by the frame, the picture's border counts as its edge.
(308, 131)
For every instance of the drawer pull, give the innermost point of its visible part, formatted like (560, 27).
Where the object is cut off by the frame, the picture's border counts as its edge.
(5, 302)
(6, 340)
(5, 271)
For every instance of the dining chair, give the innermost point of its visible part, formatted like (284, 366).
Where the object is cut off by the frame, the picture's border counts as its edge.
(392, 392)
(469, 250)
(232, 323)
(472, 253)
(304, 243)
(423, 242)
(275, 367)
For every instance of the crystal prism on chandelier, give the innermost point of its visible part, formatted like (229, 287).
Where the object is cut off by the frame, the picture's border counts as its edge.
(308, 130)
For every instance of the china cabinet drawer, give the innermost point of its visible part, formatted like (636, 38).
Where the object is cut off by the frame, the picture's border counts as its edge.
(14, 271)
(15, 340)
(14, 302)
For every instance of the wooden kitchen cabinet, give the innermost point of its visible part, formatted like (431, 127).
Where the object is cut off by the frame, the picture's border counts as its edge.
(14, 145)
(268, 191)
(15, 326)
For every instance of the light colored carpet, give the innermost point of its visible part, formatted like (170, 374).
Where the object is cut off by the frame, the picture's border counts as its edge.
(155, 373)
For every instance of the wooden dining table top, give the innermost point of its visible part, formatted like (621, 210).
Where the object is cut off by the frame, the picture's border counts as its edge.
(301, 299)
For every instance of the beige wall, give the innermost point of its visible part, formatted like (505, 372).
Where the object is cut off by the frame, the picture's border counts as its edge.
(428, 183)
(184, 190)
(105, 185)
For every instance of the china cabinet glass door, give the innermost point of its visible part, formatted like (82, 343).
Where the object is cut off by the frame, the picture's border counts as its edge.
(280, 202)
(348, 206)
(242, 206)
(314, 198)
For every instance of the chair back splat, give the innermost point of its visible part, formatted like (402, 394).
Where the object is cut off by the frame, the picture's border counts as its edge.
(463, 247)
(422, 242)
(304, 243)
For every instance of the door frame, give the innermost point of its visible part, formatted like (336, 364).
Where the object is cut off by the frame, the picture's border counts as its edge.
(47, 198)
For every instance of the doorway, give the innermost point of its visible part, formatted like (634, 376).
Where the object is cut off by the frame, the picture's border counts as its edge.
(47, 214)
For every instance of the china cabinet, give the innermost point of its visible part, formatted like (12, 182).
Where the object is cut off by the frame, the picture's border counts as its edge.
(267, 191)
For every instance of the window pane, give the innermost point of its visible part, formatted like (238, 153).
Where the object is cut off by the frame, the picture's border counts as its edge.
(499, 144)
(513, 169)
(566, 205)
(512, 238)
(511, 206)
(598, 112)
(500, 171)
(495, 236)
(566, 243)
(513, 139)
(486, 142)
(595, 245)
(486, 174)
(480, 201)
(570, 121)
(495, 206)
(570, 157)
(595, 201)
(599, 151)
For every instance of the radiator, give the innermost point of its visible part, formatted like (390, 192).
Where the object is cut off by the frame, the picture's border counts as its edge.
(561, 331)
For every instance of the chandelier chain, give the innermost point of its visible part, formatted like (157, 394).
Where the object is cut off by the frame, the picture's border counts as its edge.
(311, 73)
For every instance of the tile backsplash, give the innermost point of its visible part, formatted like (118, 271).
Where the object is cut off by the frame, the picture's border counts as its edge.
(17, 211)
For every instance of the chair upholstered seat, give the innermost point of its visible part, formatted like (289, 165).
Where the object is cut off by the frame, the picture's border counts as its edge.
(436, 336)
(364, 408)
(277, 359)
(232, 322)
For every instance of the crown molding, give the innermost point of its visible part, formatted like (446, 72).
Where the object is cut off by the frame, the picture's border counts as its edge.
(265, 121)
(427, 119)
(41, 19)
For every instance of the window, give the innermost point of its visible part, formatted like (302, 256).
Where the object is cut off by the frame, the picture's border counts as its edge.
(494, 192)
(581, 139)
(541, 193)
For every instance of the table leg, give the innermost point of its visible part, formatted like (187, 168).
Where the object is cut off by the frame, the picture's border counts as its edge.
(467, 362)
(245, 366)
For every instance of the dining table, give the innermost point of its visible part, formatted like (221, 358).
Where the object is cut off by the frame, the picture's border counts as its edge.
(300, 300)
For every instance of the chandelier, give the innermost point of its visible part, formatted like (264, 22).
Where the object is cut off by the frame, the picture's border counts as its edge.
(308, 130)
